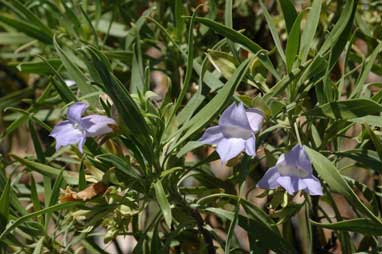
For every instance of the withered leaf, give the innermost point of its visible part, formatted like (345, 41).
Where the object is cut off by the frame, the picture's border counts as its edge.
(90, 192)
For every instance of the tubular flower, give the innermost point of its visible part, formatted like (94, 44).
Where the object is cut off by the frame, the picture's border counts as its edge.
(76, 129)
(293, 171)
(235, 132)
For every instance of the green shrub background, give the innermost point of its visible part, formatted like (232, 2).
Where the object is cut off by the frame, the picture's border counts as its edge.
(165, 70)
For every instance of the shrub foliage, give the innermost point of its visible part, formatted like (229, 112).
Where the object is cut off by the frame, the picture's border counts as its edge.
(165, 71)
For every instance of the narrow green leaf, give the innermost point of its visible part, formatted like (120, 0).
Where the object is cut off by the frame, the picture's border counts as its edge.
(115, 29)
(56, 189)
(375, 121)
(364, 158)
(12, 38)
(222, 213)
(359, 225)
(47, 183)
(64, 91)
(343, 39)
(120, 164)
(231, 232)
(16, 203)
(5, 205)
(282, 84)
(29, 216)
(189, 109)
(375, 139)
(188, 147)
(71, 19)
(127, 108)
(36, 143)
(39, 246)
(13, 126)
(265, 236)
(27, 28)
(136, 82)
(230, 34)
(37, 118)
(28, 16)
(156, 246)
(95, 35)
(75, 73)
(178, 19)
(39, 67)
(346, 17)
(14, 98)
(368, 64)
(91, 246)
(329, 173)
(81, 176)
(349, 109)
(190, 61)
(163, 203)
(289, 12)
(223, 62)
(123, 55)
(228, 13)
(237, 37)
(293, 42)
(211, 80)
(34, 194)
(131, 35)
(273, 30)
(228, 23)
(47, 170)
(310, 29)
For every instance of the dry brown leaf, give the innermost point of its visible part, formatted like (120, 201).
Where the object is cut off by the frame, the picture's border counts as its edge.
(90, 192)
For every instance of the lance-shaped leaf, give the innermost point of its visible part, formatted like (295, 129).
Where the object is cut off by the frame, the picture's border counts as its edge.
(330, 174)
(128, 110)
(348, 109)
(360, 225)
(4, 205)
(163, 202)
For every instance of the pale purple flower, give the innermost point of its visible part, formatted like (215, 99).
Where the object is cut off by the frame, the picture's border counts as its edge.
(293, 171)
(235, 132)
(76, 129)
